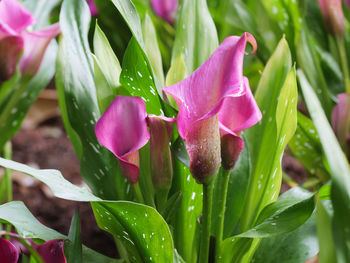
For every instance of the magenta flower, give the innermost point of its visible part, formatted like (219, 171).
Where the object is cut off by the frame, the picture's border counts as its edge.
(14, 19)
(341, 121)
(332, 12)
(51, 251)
(8, 252)
(165, 9)
(93, 7)
(215, 100)
(122, 129)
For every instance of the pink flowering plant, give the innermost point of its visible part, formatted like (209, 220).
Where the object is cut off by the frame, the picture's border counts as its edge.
(180, 121)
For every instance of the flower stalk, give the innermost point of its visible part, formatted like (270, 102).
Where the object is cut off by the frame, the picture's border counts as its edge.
(206, 222)
(225, 176)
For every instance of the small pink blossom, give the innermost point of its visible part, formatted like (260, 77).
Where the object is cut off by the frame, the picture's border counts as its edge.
(14, 20)
(165, 9)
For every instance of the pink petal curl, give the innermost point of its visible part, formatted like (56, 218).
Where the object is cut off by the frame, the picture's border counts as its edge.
(35, 44)
(8, 252)
(122, 129)
(165, 9)
(14, 18)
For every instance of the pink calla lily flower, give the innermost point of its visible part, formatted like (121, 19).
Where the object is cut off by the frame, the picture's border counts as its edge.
(52, 251)
(341, 121)
(93, 7)
(8, 252)
(122, 129)
(14, 20)
(165, 9)
(332, 12)
(214, 99)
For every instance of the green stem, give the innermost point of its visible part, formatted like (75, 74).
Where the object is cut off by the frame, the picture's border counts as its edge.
(7, 174)
(221, 217)
(21, 87)
(8, 177)
(138, 194)
(344, 62)
(206, 222)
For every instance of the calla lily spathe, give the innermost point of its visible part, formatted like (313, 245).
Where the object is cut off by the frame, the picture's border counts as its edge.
(165, 9)
(215, 100)
(14, 20)
(123, 130)
(8, 252)
(51, 251)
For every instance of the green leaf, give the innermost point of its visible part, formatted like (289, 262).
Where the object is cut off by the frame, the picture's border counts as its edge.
(281, 217)
(309, 62)
(152, 48)
(27, 226)
(109, 62)
(185, 225)
(139, 225)
(132, 18)
(137, 78)
(276, 96)
(306, 147)
(77, 95)
(196, 36)
(295, 247)
(339, 169)
(32, 89)
(132, 218)
(73, 248)
(324, 231)
(59, 186)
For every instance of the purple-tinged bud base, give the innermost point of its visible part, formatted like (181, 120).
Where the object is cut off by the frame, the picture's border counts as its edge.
(203, 147)
(161, 158)
(231, 148)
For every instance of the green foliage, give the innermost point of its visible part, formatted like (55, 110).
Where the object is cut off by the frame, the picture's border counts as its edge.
(339, 170)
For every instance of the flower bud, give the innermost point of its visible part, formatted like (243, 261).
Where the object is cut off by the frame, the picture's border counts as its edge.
(231, 148)
(341, 121)
(161, 158)
(333, 16)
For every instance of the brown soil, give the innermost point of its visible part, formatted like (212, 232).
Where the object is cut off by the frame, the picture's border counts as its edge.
(47, 146)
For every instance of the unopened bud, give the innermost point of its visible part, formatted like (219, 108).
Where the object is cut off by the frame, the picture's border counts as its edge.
(231, 148)
(161, 158)
(333, 16)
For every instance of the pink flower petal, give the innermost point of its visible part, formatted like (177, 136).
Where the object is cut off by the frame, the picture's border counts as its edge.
(93, 7)
(10, 48)
(35, 44)
(52, 251)
(14, 17)
(165, 9)
(122, 129)
(8, 252)
(201, 95)
(239, 113)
